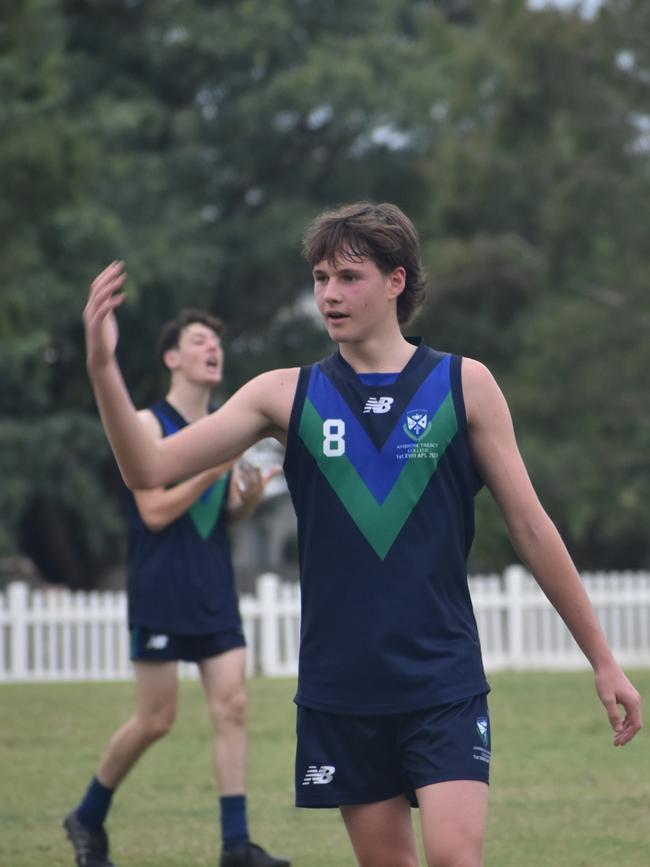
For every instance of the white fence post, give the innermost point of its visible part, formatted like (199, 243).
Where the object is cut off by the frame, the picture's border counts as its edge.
(513, 580)
(17, 595)
(267, 595)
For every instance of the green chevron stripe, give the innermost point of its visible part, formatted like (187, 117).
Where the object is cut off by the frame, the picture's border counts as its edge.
(380, 524)
(205, 513)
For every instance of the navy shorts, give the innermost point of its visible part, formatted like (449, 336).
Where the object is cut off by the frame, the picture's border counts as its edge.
(363, 759)
(151, 645)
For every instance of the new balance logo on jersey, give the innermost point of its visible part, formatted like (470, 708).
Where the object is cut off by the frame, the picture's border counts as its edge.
(157, 642)
(319, 776)
(378, 405)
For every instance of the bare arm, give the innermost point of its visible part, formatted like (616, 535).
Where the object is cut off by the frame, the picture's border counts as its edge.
(260, 408)
(538, 542)
(159, 507)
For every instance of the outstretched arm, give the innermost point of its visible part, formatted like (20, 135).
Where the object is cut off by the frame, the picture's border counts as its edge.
(260, 408)
(539, 544)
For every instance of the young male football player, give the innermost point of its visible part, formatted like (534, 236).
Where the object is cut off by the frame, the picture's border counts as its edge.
(387, 443)
(182, 604)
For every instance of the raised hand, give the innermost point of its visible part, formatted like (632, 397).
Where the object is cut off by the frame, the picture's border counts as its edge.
(100, 324)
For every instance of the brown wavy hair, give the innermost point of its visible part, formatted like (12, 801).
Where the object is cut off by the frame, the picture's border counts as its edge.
(379, 232)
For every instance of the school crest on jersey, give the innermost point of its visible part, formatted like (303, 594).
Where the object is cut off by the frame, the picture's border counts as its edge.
(417, 424)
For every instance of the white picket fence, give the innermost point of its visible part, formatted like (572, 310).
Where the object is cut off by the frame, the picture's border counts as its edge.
(56, 635)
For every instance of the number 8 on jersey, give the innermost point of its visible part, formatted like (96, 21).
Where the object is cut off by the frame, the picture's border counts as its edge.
(333, 437)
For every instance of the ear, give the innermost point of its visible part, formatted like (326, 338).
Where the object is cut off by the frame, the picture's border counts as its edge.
(171, 359)
(397, 282)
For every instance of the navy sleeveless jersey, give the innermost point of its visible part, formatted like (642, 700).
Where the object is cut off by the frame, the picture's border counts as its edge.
(181, 579)
(383, 483)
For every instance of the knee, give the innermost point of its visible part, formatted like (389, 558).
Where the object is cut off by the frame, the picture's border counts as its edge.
(461, 849)
(230, 710)
(157, 725)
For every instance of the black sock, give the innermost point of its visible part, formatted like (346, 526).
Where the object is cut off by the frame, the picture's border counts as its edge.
(234, 824)
(94, 806)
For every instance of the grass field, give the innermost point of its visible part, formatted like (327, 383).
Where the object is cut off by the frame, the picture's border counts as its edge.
(561, 795)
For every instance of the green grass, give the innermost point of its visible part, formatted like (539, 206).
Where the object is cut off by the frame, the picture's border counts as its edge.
(561, 795)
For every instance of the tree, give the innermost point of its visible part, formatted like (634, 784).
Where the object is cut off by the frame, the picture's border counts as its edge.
(537, 257)
(195, 140)
(52, 486)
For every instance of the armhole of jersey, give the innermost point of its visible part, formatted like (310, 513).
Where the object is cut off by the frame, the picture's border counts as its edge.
(461, 412)
(296, 413)
(455, 373)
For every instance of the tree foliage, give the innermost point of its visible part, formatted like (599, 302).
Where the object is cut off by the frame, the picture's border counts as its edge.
(195, 139)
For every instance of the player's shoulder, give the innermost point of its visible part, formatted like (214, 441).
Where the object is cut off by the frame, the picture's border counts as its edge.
(272, 395)
(474, 372)
(150, 421)
(481, 392)
(279, 380)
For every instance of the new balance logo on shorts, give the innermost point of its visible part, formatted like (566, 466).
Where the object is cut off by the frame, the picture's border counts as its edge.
(157, 642)
(378, 404)
(319, 776)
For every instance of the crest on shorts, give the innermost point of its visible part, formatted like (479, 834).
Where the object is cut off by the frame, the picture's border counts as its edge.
(482, 729)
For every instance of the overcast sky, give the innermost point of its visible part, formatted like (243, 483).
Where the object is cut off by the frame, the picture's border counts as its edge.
(589, 6)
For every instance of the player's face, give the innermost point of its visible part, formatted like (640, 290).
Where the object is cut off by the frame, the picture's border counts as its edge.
(355, 298)
(199, 355)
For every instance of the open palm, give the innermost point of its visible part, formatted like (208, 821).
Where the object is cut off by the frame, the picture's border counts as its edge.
(100, 323)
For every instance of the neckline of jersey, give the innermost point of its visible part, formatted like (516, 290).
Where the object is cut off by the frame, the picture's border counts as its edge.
(409, 367)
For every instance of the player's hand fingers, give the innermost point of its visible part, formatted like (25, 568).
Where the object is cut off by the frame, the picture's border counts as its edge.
(613, 713)
(104, 286)
(632, 722)
(102, 302)
(100, 324)
(96, 313)
(248, 477)
(110, 270)
(271, 473)
(628, 698)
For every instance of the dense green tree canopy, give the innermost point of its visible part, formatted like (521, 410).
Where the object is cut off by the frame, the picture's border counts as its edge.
(195, 140)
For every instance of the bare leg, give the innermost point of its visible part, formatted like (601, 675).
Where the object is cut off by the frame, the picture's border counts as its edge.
(381, 833)
(157, 691)
(453, 817)
(223, 683)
